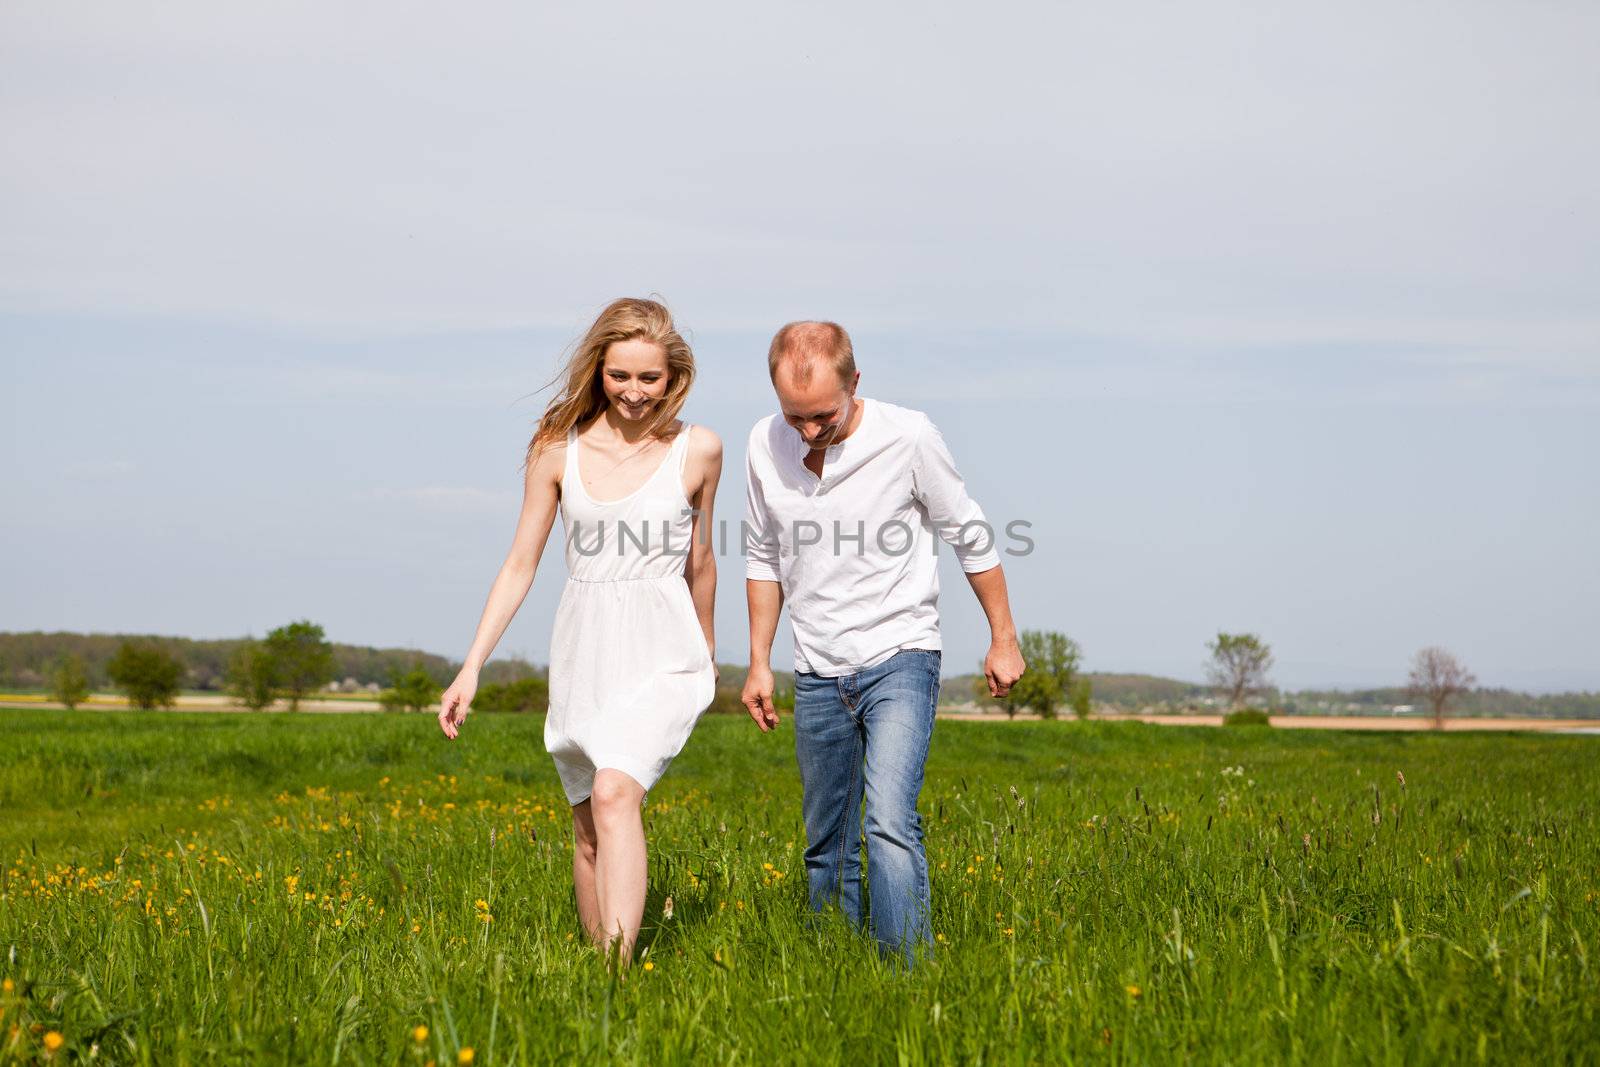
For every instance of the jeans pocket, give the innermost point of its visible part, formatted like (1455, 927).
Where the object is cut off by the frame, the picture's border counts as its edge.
(929, 659)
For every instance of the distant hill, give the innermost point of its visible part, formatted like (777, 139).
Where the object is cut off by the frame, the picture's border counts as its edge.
(1137, 690)
(1479, 703)
(1146, 691)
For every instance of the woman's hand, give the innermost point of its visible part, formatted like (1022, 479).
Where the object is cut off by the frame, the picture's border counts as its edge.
(456, 702)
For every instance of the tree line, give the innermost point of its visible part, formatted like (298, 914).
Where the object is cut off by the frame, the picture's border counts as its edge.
(1237, 669)
(27, 659)
(291, 663)
(295, 661)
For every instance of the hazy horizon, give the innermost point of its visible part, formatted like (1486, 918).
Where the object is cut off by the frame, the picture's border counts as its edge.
(1268, 321)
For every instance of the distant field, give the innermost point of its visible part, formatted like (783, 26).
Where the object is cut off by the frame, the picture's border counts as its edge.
(273, 888)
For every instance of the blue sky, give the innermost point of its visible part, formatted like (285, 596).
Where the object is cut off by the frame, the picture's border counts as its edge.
(1267, 320)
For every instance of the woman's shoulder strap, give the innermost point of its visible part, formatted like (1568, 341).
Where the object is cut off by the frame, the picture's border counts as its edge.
(682, 445)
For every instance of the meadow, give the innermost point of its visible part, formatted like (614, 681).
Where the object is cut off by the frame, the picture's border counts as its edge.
(234, 888)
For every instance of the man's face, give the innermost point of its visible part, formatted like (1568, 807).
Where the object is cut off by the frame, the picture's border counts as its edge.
(819, 408)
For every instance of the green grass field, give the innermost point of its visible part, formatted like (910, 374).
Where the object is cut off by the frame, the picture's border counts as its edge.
(352, 889)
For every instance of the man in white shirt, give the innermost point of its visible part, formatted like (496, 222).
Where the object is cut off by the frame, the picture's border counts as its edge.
(849, 498)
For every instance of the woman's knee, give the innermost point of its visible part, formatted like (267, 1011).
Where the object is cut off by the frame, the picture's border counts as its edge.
(615, 795)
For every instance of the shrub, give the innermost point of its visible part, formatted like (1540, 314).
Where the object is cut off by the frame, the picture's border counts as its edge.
(524, 695)
(252, 675)
(147, 674)
(1080, 696)
(1247, 717)
(69, 681)
(415, 690)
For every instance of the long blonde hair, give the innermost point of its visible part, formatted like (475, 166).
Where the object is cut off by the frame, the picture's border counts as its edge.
(582, 396)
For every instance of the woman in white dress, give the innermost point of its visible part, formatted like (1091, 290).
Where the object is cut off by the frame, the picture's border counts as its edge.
(632, 652)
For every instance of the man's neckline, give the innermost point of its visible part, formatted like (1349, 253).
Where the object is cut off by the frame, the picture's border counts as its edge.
(833, 450)
(832, 453)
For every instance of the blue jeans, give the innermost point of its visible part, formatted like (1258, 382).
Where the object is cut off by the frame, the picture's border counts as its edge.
(879, 720)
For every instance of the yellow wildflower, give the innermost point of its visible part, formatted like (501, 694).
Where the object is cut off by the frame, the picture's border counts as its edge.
(649, 966)
(53, 1040)
(420, 1034)
(464, 1057)
(1135, 992)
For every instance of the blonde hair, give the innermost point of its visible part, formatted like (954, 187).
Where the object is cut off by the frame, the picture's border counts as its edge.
(809, 344)
(582, 396)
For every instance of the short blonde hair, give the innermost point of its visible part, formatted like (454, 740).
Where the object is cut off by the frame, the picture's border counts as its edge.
(810, 344)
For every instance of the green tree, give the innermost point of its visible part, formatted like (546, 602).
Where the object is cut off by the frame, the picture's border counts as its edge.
(1080, 696)
(302, 659)
(252, 675)
(1052, 660)
(149, 675)
(69, 681)
(415, 690)
(1239, 665)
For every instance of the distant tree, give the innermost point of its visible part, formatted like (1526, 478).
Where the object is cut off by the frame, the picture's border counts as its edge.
(1080, 696)
(147, 674)
(252, 675)
(1239, 665)
(1437, 677)
(415, 690)
(1052, 660)
(69, 681)
(302, 659)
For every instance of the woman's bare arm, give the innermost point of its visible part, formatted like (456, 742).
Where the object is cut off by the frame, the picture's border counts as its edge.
(540, 498)
(705, 459)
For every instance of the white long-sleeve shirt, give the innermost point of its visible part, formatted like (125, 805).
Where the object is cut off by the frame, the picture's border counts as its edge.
(855, 551)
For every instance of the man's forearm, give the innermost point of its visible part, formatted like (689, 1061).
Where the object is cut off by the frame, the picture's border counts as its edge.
(765, 603)
(990, 587)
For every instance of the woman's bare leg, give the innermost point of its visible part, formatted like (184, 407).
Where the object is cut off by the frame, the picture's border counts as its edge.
(620, 866)
(583, 858)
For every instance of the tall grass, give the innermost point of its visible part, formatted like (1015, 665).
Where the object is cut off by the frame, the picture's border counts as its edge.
(352, 889)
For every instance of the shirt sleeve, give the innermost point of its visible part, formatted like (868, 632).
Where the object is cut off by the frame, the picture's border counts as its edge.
(760, 540)
(955, 516)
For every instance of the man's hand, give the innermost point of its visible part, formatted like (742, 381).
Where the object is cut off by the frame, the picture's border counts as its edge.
(757, 697)
(1003, 666)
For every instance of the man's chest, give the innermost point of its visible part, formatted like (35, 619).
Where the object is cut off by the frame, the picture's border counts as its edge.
(844, 494)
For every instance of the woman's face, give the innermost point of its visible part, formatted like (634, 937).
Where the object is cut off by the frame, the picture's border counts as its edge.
(634, 374)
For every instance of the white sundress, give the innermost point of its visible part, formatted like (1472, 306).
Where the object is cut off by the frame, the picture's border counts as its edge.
(629, 670)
